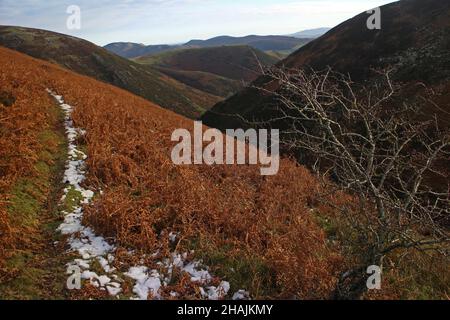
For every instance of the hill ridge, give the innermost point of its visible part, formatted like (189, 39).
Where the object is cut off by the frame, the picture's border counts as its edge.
(86, 58)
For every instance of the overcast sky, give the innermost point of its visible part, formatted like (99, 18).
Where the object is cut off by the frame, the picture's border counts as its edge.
(177, 21)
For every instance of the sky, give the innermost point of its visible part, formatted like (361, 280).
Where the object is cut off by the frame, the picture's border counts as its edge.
(178, 21)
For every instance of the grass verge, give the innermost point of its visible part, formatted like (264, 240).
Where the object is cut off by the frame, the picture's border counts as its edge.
(35, 269)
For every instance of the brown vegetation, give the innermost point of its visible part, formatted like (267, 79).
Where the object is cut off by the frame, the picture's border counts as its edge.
(32, 153)
(22, 118)
(232, 217)
(394, 163)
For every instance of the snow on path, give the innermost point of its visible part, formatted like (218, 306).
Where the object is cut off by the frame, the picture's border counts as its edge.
(82, 239)
(91, 248)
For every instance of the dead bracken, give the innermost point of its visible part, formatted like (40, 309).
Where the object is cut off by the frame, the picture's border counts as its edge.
(256, 232)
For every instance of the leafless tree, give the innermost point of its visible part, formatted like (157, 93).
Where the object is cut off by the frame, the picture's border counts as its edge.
(368, 143)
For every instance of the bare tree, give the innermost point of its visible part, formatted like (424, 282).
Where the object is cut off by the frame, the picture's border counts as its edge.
(369, 143)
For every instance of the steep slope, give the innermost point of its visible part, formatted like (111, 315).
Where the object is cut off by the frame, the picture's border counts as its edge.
(218, 70)
(88, 59)
(250, 230)
(133, 50)
(414, 39)
(414, 42)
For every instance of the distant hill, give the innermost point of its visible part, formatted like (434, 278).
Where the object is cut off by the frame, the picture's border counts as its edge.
(264, 43)
(217, 70)
(283, 44)
(414, 42)
(234, 62)
(88, 59)
(133, 50)
(311, 33)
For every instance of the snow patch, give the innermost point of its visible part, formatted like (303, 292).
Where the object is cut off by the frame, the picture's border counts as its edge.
(92, 248)
(82, 239)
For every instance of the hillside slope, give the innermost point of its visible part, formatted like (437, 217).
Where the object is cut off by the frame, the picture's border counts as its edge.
(414, 42)
(255, 232)
(218, 70)
(88, 59)
(133, 50)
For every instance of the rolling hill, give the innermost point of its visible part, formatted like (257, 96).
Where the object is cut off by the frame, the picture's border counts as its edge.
(88, 59)
(281, 44)
(220, 71)
(413, 42)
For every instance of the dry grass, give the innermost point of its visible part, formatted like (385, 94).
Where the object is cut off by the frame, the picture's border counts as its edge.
(226, 211)
(32, 155)
(257, 232)
(22, 118)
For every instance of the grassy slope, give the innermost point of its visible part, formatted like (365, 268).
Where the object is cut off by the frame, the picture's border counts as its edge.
(205, 81)
(233, 62)
(34, 268)
(88, 59)
(217, 70)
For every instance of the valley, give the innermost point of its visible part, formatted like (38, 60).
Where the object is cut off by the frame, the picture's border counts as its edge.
(221, 71)
(312, 165)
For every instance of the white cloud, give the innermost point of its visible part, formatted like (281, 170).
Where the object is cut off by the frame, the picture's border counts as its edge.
(169, 21)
